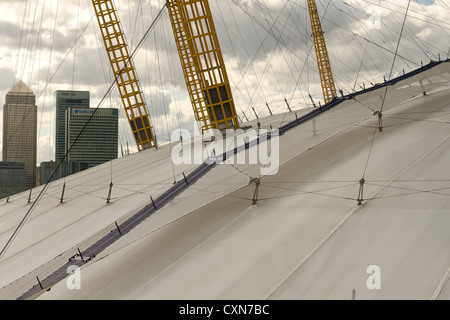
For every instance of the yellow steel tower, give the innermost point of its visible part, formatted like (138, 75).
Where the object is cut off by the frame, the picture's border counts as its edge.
(203, 64)
(124, 73)
(323, 60)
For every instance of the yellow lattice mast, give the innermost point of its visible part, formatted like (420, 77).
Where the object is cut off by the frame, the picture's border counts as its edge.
(125, 73)
(203, 65)
(323, 60)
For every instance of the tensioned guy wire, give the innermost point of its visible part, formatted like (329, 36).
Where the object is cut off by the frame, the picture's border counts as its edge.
(387, 88)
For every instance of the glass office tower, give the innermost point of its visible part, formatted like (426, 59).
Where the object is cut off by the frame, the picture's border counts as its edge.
(99, 141)
(64, 100)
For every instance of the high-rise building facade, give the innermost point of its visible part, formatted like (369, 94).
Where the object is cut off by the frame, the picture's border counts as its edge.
(20, 130)
(64, 100)
(12, 178)
(99, 141)
(50, 171)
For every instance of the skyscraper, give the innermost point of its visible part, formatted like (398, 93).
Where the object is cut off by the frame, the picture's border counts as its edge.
(12, 178)
(64, 100)
(49, 173)
(98, 142)
(20, 130)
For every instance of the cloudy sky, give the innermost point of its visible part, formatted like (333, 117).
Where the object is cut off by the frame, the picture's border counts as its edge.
(267, 47)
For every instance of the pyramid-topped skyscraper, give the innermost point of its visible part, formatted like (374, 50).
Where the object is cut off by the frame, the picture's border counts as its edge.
(20, 129)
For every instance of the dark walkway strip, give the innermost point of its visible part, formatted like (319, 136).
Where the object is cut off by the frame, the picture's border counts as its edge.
(114, 235)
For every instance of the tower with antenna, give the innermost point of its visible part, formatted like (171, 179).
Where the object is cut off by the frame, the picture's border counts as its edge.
(203, 64)
(323, 60)
(125, 73)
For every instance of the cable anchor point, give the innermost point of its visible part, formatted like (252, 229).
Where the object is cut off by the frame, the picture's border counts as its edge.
(380, 120)
(361, 191)
(257, 182)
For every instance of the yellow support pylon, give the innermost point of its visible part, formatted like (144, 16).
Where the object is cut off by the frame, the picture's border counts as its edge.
(323, 60)
(203, 65)
(125, 73)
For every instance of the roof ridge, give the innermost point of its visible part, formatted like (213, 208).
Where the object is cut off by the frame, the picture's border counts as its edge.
(20, 87)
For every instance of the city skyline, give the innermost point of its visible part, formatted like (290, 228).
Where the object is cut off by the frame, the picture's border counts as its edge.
(98, 144)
